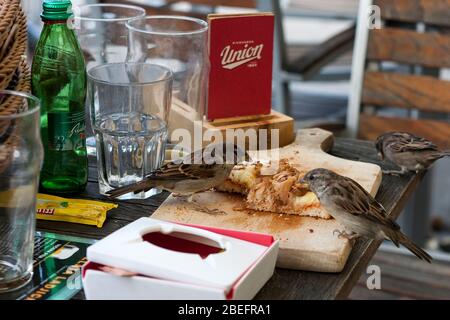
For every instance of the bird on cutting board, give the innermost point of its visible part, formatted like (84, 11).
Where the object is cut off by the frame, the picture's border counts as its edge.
(356, 210)
(192, 174)
(407, 151)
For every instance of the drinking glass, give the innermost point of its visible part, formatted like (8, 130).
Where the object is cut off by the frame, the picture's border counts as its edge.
(129, 110)
(21, 156)
(180, 44)
(103, 36)
(102, 32)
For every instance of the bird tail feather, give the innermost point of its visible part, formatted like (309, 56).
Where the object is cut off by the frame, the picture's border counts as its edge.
(137, 187)
(446, 153)
(399, 238)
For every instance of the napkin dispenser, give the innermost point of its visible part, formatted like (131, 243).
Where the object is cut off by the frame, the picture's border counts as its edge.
(173, 261)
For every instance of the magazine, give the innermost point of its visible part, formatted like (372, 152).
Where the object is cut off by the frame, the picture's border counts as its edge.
(57, 268)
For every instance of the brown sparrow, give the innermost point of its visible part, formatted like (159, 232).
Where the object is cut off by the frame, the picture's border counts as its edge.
(358, 212)
(407, 151)
(190, 175)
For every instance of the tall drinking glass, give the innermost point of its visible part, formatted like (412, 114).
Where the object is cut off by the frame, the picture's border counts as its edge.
(102, 32)
(21, 156)
(180, 44)
(103, 37)
(129, 109)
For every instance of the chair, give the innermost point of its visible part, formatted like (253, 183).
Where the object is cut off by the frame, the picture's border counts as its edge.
(415, 38)
(410, 97)
(303, 64)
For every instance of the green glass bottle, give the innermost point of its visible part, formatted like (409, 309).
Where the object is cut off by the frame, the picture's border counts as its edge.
(59, 81)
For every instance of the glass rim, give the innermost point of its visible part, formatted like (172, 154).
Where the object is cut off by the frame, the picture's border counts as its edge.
(169, 76)
(36, 107)
(200, 22)
(111, 5)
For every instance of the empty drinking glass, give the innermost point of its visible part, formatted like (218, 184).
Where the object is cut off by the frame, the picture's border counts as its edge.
(129, 109)
(102, 32)
(21, 156)
(180, 44)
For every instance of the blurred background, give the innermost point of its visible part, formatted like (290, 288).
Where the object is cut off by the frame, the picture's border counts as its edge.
(314, 51)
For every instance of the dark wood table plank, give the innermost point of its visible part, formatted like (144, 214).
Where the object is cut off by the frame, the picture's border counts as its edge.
(405, 277)
(285, 284)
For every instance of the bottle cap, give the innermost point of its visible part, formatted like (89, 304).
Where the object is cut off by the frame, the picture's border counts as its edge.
(56, 10)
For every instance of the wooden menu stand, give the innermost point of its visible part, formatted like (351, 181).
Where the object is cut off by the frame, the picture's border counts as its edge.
(183, 116)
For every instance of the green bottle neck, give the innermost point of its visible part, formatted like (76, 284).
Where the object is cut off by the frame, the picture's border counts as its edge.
(58, 33)
(52, 22)
(58, 28)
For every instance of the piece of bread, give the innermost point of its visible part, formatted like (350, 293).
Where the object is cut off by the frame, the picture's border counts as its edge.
(273, 189)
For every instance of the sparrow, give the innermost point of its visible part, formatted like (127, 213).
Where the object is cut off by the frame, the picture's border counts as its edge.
(192, 174)
(356, 210)
(409, 152)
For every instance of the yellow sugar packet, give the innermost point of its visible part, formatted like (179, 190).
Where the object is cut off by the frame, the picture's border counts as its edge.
(72, 210)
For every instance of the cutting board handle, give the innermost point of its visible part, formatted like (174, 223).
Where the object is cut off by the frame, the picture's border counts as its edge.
(315, 139)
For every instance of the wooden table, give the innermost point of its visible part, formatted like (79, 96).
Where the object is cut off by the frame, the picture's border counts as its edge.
(285, 284)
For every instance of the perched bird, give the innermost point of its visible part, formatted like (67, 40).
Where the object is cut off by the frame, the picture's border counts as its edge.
(356, 210)
(407, 151)
(192, 174)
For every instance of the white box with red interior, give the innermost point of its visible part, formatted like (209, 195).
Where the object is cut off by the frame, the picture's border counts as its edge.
(164, 260)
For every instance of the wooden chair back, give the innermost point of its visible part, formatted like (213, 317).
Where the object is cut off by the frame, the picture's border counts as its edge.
(415, 34)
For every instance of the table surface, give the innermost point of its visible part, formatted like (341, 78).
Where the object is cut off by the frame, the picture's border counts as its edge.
(285, 284)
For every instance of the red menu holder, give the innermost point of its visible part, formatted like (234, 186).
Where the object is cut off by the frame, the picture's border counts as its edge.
(241, 55)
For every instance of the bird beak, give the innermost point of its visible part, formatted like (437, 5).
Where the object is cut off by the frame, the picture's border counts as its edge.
(303, 182)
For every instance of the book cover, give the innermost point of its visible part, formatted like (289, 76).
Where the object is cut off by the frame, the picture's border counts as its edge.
(241, 55)
(57, 263)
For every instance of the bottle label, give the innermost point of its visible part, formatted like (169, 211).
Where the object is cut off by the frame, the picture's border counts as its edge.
(66, 130)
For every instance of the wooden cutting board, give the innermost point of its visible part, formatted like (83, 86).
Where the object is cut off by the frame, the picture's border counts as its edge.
(305, 243)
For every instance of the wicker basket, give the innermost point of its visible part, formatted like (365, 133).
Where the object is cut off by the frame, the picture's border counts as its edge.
(9, 10)
(19, 82)
(8, 136)
(14, 75)
(13, 50)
